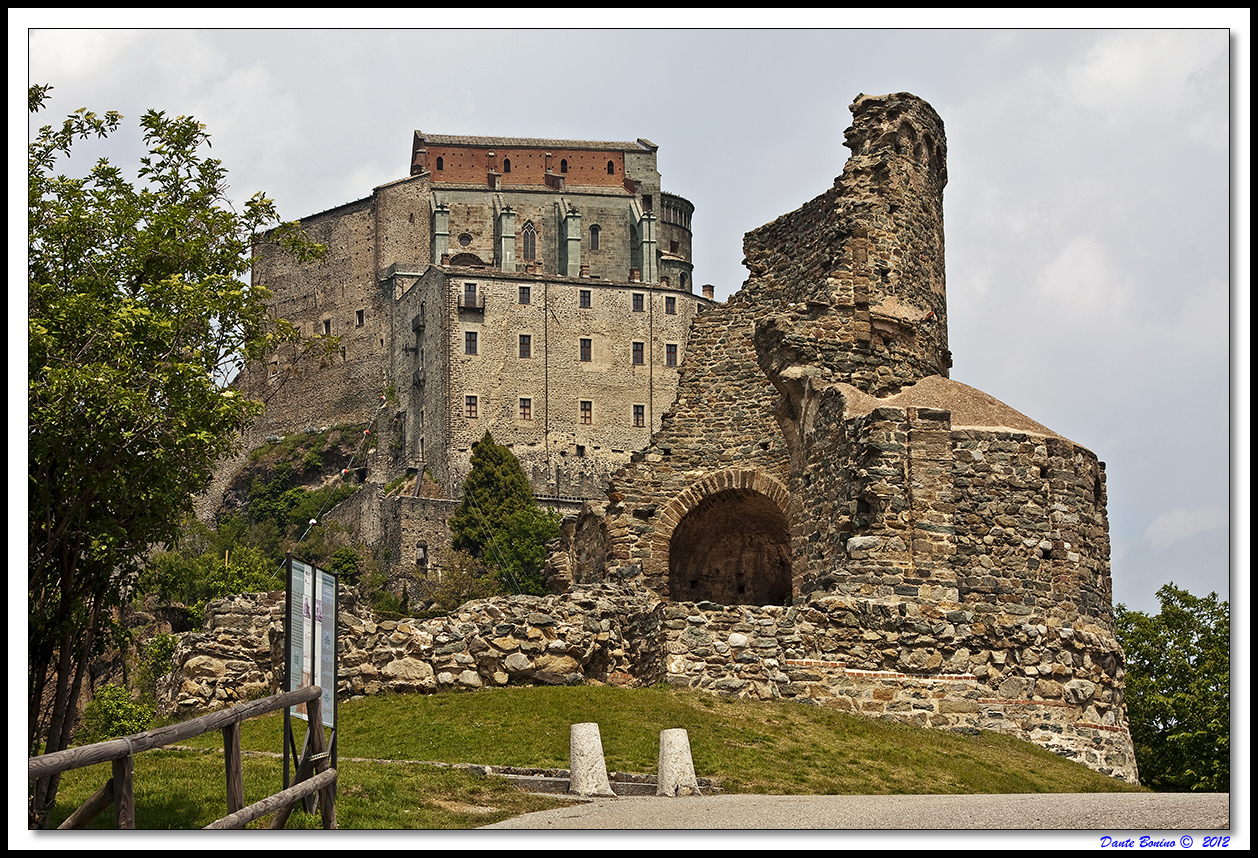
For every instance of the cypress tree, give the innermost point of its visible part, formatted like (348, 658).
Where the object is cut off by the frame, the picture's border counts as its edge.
(495, 489)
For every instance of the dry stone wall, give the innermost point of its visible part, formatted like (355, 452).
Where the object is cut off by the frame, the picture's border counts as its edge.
(1051, 684)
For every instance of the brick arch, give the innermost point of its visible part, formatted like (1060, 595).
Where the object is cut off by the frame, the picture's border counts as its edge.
(746, 484)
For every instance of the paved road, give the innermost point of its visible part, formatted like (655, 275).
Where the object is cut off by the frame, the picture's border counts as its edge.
(1103, 812)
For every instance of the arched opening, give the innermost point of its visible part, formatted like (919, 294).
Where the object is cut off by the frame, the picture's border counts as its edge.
(733, 548)
(529, 234)
(441, 164)
(506, 165)
(563, 165)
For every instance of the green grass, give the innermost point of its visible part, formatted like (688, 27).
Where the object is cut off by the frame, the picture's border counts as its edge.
(770, 747)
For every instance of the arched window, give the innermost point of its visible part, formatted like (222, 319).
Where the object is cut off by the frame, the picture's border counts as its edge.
(563, 165)
(594, 231)
(506, 165)
(530, 242)
(611, 168)
(440, 163)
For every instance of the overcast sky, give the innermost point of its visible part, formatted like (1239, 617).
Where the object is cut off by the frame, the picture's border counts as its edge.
(1089, 234)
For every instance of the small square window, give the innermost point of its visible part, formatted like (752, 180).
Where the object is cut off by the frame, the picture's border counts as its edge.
(639, 353)
(359, 318)
(469, 343)
(587, 346)
(580, 451)
(526, 295)
(526, 409)
(585, 297)
(639, 415)
(470, 402)
(670, 354)
(670, 306)
(526, 345)
(587, 411)
(637, 303)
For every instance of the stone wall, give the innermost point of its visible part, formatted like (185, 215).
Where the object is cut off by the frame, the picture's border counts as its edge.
(1050, 684)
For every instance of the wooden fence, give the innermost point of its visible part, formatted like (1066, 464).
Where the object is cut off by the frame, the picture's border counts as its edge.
(314, 773)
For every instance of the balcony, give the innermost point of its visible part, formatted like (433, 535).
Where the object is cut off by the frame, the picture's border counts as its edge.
(468, 304)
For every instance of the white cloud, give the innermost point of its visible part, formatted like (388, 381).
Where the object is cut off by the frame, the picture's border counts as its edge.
(1132, 75)
(1176, 525)
(1083, 280)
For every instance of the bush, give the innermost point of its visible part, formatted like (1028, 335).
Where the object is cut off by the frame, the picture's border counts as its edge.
(155, 661)
(112, 713)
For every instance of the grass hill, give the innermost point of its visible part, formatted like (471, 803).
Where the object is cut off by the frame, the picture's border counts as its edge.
(769, 747)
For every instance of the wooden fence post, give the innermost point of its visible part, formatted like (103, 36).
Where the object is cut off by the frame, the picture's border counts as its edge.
(235, 771)
(124, 794)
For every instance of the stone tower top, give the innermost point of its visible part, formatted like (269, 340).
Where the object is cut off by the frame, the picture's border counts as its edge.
(859, 271)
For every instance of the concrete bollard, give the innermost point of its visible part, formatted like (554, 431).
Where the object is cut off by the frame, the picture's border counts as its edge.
(589, 771)
(676, 770)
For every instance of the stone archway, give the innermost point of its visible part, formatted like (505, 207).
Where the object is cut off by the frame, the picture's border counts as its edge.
(733, 548)
(748, 496)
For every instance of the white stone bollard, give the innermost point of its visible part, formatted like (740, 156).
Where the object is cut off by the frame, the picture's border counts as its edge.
(589, 771)
(676, 770)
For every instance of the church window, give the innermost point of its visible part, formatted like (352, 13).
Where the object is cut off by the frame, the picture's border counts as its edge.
(530, 242)
(594, 231)
(465, 239)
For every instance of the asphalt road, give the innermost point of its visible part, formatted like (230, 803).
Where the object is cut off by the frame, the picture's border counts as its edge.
(1102, 812)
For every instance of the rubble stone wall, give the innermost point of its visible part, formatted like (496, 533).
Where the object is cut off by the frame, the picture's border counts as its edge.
(1050, 684)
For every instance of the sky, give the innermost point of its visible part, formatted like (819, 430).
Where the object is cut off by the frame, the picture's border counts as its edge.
(1094, 197)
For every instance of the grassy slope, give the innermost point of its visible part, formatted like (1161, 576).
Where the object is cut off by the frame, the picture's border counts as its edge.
(756, 747)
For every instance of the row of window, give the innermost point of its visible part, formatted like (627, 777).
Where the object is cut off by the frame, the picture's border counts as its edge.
(585, 299)
(471, 405)
(471, 346)
(506, 165)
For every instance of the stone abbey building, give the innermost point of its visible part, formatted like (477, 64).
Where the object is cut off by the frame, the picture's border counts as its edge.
(802, 505)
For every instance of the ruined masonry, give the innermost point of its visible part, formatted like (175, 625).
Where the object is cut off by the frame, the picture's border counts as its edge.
(823, 515)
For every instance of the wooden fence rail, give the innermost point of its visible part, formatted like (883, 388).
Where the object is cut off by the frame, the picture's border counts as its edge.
(120, 752)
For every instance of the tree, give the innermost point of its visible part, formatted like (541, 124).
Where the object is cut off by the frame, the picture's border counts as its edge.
(1177, 690)
(498, 522)
(137, 313)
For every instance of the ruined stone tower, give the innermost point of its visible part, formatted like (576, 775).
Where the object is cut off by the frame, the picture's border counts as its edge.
(840, 521)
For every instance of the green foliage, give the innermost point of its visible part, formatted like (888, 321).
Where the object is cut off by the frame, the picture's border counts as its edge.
(346, 563)
(457, 577)
(112, 714)
(521, 548)
(1178, 690)
(155, 662)
(498, 522)
(197, 580)
(137, 310)
(494, 489)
